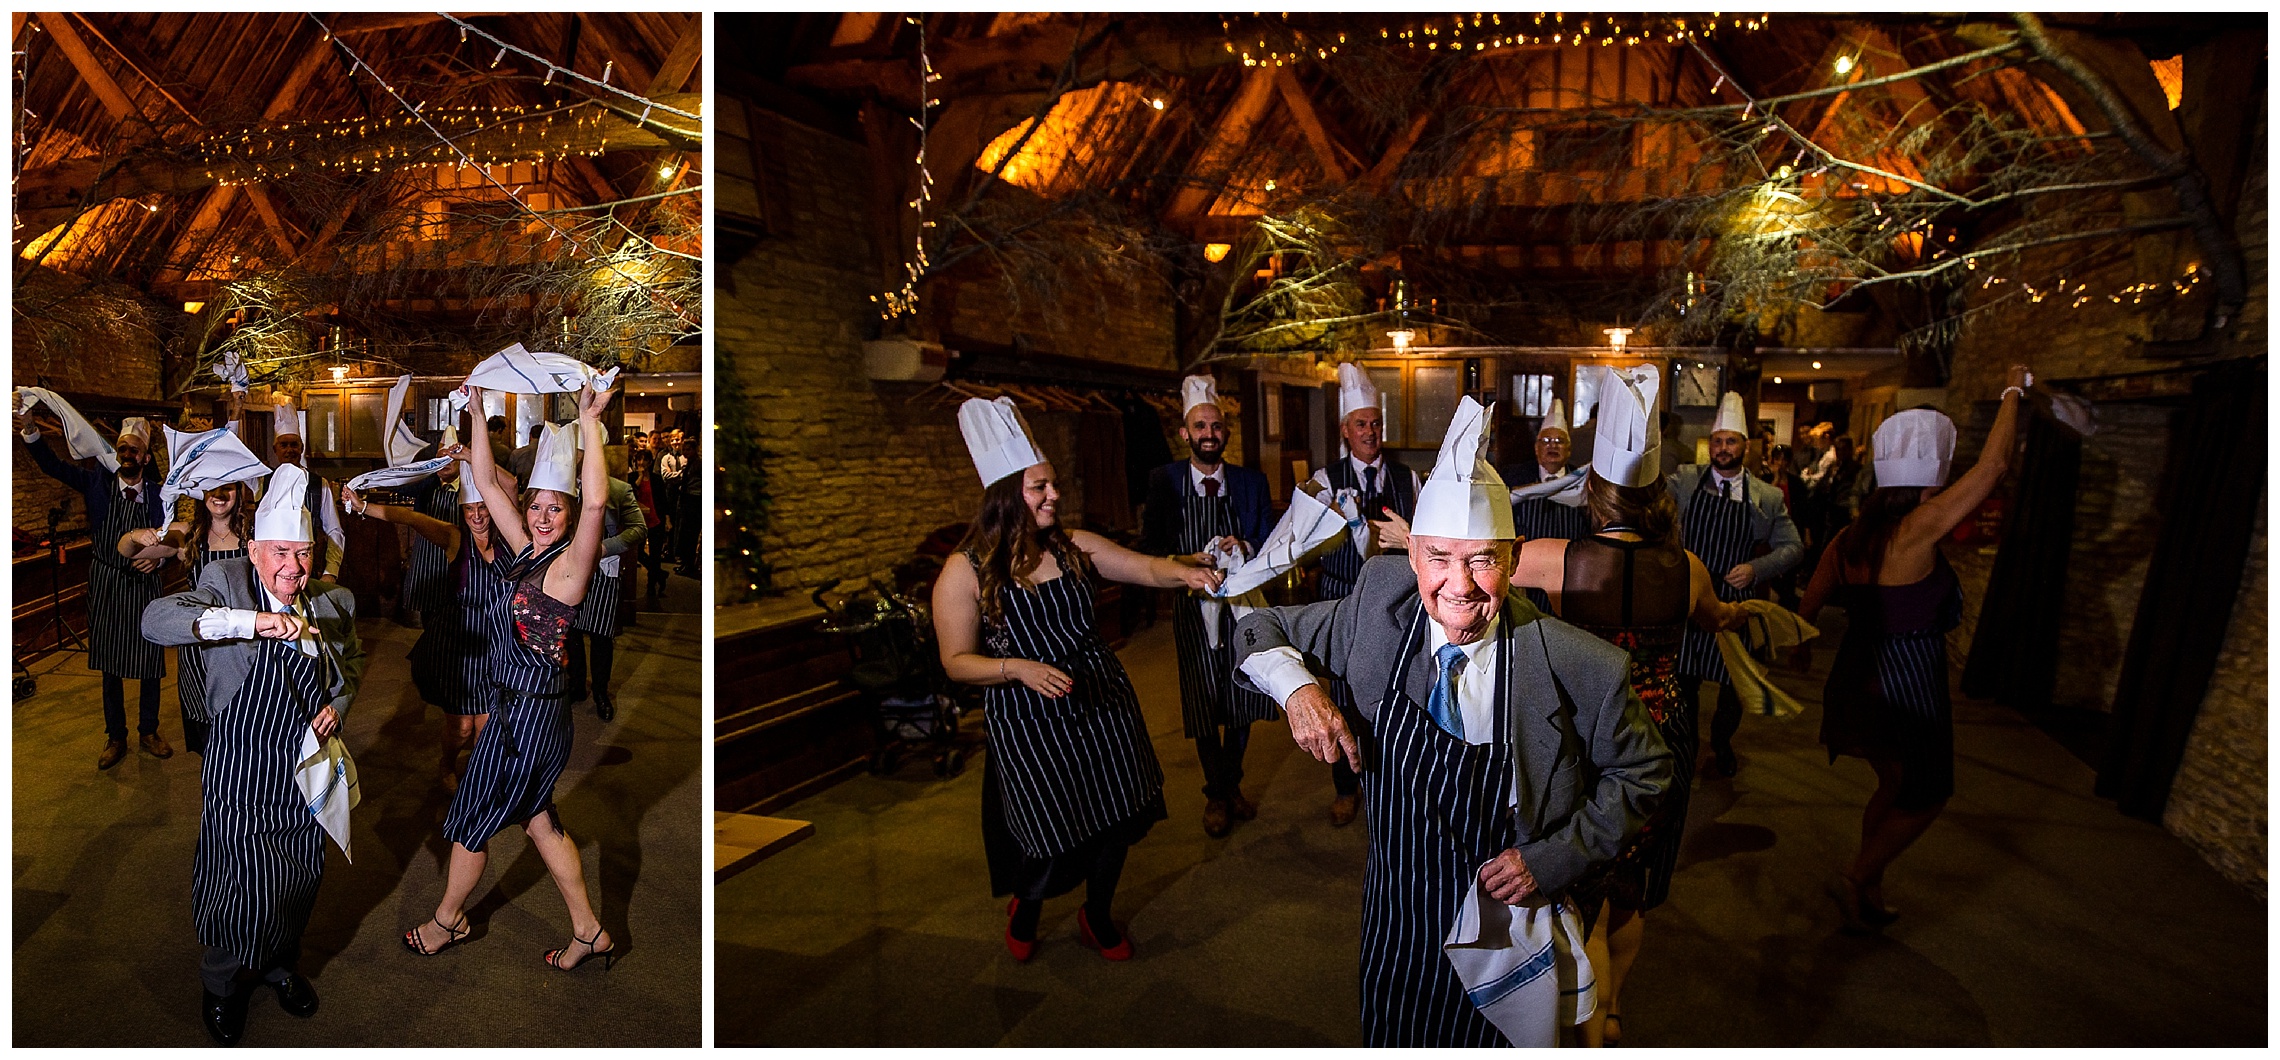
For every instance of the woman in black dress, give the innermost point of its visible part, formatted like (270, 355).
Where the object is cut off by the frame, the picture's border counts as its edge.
(1887, 695)
(1071, 780)
(1632, 584)
(219, 526)
(450, 661)
(553, 534)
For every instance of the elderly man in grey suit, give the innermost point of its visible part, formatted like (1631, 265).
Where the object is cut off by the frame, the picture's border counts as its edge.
(1740, 527)
(282, 660)
(1502, 752)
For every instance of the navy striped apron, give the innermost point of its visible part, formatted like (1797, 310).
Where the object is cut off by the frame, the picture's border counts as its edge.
(260, 851)
(1542, 517)
(1208, 693)
(1439, 808)
(1064, 770)
(523, 749)
(117, 594)
(427, 570)
(1341, 567)
(1717, 531)
(451, 662)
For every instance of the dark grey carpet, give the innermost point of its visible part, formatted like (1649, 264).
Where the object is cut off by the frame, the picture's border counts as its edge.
(106, 953)
(2034, 915)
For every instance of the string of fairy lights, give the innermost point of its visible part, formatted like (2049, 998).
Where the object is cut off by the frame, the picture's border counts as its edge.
(417, 119)
(499, 135)
(1481, 32)
(904, 300)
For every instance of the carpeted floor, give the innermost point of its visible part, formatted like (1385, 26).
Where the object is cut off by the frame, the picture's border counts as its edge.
(106, 953)
(2034, 915)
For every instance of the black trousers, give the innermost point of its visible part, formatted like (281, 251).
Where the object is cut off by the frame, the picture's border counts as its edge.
(115, 706)
(1725, 721)
(685, 530)
(605, 657)
(221, 972)
(1343, 777)
(1221, 748)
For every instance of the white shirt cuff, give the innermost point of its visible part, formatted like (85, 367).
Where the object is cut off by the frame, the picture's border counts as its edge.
(226, 623)
(1280, 672)
(30, 435)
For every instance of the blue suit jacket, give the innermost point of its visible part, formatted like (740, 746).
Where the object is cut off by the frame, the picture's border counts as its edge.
(1169, 487)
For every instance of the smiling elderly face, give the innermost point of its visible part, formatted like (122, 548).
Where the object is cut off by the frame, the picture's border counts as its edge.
(283, 566)
(1461, 582)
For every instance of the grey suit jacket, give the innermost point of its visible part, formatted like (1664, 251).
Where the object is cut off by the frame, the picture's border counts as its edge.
(624, 523)
(1590, 769)
(173, 621)
(1769, 518)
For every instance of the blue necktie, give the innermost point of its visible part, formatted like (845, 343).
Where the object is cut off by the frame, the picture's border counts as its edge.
(1442, 705)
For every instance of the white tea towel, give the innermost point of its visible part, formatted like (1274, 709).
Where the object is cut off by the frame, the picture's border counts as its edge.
(1771, 628)
(522, 371)
(1523, 966)
(327, 779)
(78, 435)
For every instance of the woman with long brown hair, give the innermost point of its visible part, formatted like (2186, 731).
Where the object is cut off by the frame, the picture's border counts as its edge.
(1632, 583)
(219, 526)
(1071, 780)
(1887, 694)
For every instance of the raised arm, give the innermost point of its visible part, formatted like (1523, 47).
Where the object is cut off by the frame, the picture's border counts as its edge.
(569, 576)
(1944, 511)
(441, 534)
(1117, 563)
(506, 515)
(1825, 579)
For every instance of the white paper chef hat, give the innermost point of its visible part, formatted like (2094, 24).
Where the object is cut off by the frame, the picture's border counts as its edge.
(1556, 418)
(1626, 447)
(136, 426)
(1913, 448)
(1465, 499)
(1197, 390)
(1355, 391)
(1730, 416)
(555, 465)
(284, 513)
(997, 438)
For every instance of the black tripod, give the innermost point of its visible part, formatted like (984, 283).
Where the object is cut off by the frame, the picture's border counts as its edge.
(66, 639)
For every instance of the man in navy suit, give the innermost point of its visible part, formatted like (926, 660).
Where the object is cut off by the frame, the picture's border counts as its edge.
(1195, 505)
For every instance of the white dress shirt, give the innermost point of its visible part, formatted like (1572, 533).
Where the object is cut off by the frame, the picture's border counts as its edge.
(1196, 478)
(1740, 490)
(1281, 672)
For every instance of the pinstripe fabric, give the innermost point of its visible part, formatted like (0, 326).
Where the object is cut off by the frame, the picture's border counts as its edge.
(427, 574)
(1887, 694)
(1069, 768)
(190, 659)
(1395, 491)
(1537, 517)
(451, 662)
(522, 750)
(260, 853)
(117, 593)
(1439, 808)
(599, 614)
(1208, 693)
(1718, 531)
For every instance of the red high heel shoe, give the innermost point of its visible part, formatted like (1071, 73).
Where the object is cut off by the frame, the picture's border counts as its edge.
(1021, 951)
(1122, 951)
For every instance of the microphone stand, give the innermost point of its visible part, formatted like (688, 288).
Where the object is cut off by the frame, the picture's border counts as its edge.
(66, 639)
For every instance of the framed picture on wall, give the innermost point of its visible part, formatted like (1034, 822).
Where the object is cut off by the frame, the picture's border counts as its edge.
(1271, 397)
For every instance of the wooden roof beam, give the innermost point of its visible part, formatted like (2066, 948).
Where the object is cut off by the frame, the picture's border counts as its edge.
(1229, 135)
(630, 69)
(1382, 174)
(58, 27)
(1302, 110)
(217, 202)
(681, 62)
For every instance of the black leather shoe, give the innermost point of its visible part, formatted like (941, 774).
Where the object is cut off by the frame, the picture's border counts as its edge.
(296, 996)
(225, 1017)
(604, 706)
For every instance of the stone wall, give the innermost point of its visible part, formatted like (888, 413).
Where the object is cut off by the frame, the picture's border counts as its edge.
(2217, 803)
(861, 472)
(56, 357)
(2115, 525)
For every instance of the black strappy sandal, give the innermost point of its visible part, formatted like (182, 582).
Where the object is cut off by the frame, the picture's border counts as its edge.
(608, 956)
(412, 937)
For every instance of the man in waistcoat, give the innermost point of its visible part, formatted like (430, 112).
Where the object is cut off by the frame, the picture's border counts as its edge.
(282, 662)
(1387, 490)
(1193, 506)
(1740, 527)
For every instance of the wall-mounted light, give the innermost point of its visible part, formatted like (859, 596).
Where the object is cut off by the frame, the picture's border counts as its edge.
(339, 372)
(1156, 103)
(1401, 337)
(1844, 64)
(1816, 366)
(1777, 379)
(1216, 252)
(665, 172)
(1617, 338)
